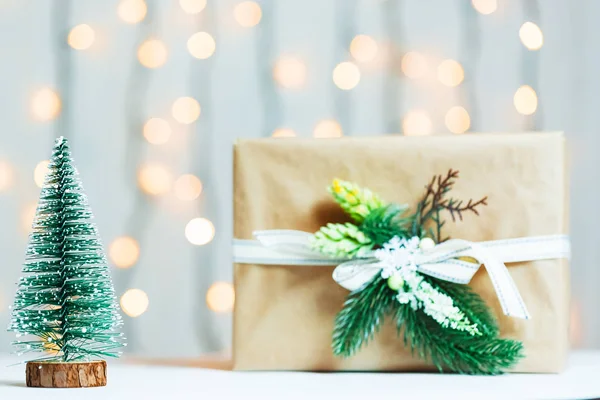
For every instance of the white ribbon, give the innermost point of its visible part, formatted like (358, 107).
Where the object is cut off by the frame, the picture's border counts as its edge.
(290, 247)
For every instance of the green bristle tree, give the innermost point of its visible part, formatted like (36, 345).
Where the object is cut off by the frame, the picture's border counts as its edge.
(65, 303)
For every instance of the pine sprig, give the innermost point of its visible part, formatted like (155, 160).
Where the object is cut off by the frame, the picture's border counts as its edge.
(341, 240)
(453, 350)
(361, 317)
(384, 223)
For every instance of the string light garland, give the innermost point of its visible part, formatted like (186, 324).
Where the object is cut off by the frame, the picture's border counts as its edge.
(154, 179)
(6, 176)
(187, 187)
(247, 14)
(457, 120)
(328, 128)
(157, 131)
(531, 36)
(525, 100)
(132, 11)
(485, 7)
(124, 252)
(40, 172)
(199, 231)
(152, 53)
(220, 297)
(283, 133)
(134, 302)
(201, 45)
(363, 48)
(27, 216)
(192, 6)
(81, 37)
(450, 73)
(414, 65)
(186, 110)
(346, 75)
(45, 104)
(289, 72)
(416, 123)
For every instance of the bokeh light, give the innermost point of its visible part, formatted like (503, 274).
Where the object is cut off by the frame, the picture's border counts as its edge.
(416, 123)
(124, 251)
(450, 73)
(154, 179)
(152, 53)
(363, 48)
(134, 302)
(81, 37)
(283, 133)
(185, 110)
(457, 120)
(40, 172)
(289, 72)
(346, 75)
(414, 65)
(132, 11)
(220, 297)
(525, 100)
(187, 187)
(199, 231)
(201, 45)
(485, 7)
(192, 6)
(6, 176)
(157, 131)
(45, 104)
(328, 128)
(27, 216)
(531, 36)
(247, 14)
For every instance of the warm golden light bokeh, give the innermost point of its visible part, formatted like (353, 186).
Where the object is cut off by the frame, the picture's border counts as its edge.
(199, 231)
(283, 133)
(363, 48)
(485, 7)
(157, 131)
(531, 36)
(346, 75)
(416, 123)
(220, 297)
(154, 179)
(450, 73)
(132, 11)
(124, 251)
(185, 110)
(134, 302)
(289, 72)
(27, 216)
(525, 100)
(6, 176)
(414, 65)
(152, 53)
(187, 187)
(192, 6)
(45, 104)
(328, 128)
(81, 37)
(201, 45)
(40, 172)
(247, 14)
(457, 120)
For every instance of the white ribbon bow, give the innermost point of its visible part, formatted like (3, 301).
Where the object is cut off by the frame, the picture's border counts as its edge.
(289, 247)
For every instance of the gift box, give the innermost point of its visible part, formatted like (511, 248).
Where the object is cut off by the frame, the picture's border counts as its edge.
(284, 314)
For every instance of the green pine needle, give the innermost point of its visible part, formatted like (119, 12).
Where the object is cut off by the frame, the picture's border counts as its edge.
(361, 317)
(383, 223)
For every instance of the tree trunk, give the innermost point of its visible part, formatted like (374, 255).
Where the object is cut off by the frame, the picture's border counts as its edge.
(66, 374)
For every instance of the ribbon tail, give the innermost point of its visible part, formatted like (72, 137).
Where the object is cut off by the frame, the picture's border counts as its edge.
(356, 274)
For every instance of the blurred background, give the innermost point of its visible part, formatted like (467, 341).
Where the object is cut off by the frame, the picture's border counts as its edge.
(152, 94)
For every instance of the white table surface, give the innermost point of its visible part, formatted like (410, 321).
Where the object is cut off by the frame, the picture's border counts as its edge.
(127, 380)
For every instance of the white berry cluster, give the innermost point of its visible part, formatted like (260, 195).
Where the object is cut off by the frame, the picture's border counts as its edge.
(397, 262)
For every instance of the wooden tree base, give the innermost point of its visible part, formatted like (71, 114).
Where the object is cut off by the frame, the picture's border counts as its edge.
(66, 374)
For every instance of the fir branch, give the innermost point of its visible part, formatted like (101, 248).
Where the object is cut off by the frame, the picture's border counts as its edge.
(384, 223)
(361, 317)
(455, 350)
(455, 207)
(341, 240)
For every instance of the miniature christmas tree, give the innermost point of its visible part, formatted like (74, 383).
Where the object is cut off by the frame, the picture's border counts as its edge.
(65, 304)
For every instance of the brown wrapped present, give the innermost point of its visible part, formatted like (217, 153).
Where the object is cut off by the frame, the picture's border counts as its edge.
(284, 314)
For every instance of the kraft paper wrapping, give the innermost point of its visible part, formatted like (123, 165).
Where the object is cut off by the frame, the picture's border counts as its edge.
(284, 314)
